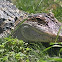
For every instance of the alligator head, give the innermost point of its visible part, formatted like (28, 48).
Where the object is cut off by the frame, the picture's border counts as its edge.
(46, 22)
(40, 27)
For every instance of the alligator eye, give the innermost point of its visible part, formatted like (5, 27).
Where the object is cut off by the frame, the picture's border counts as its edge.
(40, 21)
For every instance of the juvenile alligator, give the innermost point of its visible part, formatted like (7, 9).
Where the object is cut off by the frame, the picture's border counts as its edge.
(40, 27)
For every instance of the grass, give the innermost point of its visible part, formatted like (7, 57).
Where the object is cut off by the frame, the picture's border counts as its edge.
(58, 34)
(14, 50)
(40, 6)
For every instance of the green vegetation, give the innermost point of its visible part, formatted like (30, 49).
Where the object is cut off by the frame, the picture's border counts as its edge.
(14, 50)
(39, 6)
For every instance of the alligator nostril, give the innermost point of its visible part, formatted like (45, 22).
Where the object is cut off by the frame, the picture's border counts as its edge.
(1, 30)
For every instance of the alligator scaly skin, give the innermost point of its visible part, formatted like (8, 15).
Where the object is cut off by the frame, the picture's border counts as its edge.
(9, 17)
